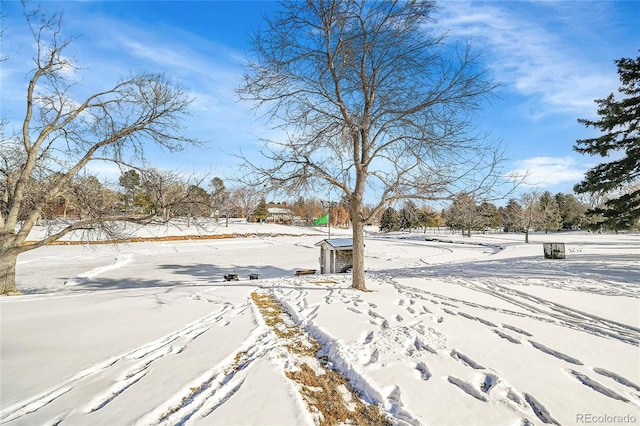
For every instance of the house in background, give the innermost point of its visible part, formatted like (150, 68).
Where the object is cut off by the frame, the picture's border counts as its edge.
(279, 215)
(336, 255)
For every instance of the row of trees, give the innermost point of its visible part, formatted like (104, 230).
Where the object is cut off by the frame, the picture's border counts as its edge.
(167, 195)
(409, 217)
(536, 210)
(151, 193)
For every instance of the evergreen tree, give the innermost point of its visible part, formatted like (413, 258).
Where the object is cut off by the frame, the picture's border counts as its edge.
(571, 211)
(409, 216)
(219, 199)
(620, 126)
(511, 216)
(130, 181)
(549, 212)
(261, 212)
(428, 218)
(489, 215)
(390, 220)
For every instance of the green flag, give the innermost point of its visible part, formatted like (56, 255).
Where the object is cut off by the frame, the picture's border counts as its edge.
(322, 220)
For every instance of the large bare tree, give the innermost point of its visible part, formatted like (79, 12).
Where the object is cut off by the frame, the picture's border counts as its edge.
(373, 103)
(60, 135)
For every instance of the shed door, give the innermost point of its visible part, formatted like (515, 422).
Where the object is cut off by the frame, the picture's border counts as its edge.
(323, 260)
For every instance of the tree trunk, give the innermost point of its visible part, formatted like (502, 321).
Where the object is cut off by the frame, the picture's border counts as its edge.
(358, 253)
(8, 261)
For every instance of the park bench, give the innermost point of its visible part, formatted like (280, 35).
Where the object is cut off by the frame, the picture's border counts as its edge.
(305, 272)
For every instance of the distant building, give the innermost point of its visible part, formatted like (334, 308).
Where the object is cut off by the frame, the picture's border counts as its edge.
(279, 215)
(336, 255)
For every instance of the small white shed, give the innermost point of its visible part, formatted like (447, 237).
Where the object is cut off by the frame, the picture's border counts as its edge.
(336, 255)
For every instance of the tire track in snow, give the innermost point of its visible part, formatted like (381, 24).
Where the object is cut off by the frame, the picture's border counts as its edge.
(148, 353)
(120, 261)
(552, 312)
(215, 386)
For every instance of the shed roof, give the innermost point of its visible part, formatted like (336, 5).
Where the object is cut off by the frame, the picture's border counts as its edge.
(338, 243)
(278, 210)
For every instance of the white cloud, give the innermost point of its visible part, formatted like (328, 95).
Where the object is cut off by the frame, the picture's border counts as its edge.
(536, 57)
(547, 172)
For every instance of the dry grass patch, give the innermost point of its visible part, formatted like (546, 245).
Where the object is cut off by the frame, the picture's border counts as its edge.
(326, 392)
(165, 238)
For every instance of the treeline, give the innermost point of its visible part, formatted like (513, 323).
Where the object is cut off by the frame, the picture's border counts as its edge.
(538, 211)
(409, 217)
(168, 195)
(150, 192)
(532, 211)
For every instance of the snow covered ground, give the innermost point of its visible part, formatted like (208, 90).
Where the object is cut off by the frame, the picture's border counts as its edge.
(456, 331)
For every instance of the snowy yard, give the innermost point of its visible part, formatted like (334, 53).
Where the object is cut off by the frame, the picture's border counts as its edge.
(456, 331)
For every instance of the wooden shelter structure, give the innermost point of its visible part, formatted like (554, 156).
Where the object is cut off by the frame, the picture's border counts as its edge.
(336, 255)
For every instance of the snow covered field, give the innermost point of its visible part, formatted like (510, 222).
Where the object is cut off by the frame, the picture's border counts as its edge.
(456, 331)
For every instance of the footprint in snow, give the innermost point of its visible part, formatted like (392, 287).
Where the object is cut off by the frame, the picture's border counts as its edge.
(555, 353)
(467, 388)
(473, 317)
(540, 410)
(618, 378)
(490, 380)
(421, 346)
(374, 357)
(517, 330)
(589, 382)
(466, 360)
(422, 368)
(507, 337)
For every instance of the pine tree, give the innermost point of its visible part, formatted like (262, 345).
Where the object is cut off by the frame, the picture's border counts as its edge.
(261, 212)
(409, 216)
(620, 124)
(390, 220)
(550, 212)
(512, 216)
(571, 211)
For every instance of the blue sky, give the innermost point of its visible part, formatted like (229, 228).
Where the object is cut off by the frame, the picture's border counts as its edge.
(553, 58)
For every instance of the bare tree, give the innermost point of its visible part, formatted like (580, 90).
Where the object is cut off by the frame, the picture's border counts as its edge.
(531, 211)
(60, 135)
(370, 100)
(464, 214)
(219, 199)
(245, 200)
